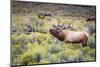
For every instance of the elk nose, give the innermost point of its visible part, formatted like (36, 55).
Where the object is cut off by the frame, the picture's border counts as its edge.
(51, 31)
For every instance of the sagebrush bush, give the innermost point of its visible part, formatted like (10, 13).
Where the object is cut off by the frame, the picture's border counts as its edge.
(21, 39)
(26, 58)
(69, 55)
(16, 50)
(43, 39)
(88, 54)
(92, 41)
(40, 25)
(54, 49)
(54, 59)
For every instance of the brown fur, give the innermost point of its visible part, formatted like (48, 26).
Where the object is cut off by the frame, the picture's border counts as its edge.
(91, 18)
(70, 36)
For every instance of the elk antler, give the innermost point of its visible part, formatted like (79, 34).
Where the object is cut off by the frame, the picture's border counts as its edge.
(62, 27)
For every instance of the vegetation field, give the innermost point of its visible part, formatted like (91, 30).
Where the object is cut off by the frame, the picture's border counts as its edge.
(32, 43)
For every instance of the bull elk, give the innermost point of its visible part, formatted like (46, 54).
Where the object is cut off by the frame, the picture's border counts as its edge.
(91, 18)
(69, 36)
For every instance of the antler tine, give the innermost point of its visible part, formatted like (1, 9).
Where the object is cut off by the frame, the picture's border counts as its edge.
(61, 27)
(56, 26)
(66, 26)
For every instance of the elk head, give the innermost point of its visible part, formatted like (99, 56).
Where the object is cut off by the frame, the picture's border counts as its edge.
(57, 31)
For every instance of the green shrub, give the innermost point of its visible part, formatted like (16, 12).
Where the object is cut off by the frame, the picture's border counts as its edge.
(14, 39)
(16, 49)
(26, 58)
(54, 59)
(54, 49)
(92, 42)
(20, 39)
(16, 61)
(89, 54)
(38, 52)
(40, 25)
(69, 55)
(43, 39)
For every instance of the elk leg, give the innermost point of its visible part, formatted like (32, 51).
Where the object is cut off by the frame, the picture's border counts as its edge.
(84, 43)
